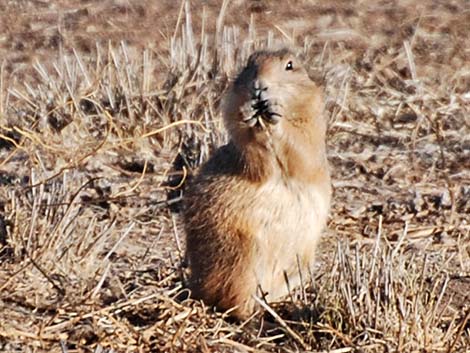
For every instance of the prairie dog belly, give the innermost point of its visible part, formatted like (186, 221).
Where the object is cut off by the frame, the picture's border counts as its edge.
(290, 218)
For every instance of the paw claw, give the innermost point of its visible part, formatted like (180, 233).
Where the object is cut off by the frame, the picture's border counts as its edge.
(259, 111)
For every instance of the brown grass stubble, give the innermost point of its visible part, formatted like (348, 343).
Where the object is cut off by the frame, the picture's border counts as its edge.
(92, 255)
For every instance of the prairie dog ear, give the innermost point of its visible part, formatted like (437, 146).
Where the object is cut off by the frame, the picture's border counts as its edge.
(316, 75)
(314, 72)
(300, 56)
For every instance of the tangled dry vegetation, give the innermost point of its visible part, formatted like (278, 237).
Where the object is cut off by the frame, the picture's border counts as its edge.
(97, 139)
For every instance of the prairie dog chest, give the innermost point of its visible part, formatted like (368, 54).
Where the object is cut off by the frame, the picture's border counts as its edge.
(289, 212)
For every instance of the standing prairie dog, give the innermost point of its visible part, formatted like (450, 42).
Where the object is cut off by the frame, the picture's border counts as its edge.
(255, 211)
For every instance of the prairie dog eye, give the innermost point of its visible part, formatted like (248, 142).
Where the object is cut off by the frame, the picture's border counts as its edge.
(289, 65)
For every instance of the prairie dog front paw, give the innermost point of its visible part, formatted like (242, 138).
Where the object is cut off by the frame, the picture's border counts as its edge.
(260, 109)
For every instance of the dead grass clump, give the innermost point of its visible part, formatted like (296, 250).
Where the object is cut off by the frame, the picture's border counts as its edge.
(386, 297)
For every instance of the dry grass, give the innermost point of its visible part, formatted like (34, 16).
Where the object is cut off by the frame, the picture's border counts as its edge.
(97, 137)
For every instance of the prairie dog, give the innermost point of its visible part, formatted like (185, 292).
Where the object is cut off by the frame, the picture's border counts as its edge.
(255, 211)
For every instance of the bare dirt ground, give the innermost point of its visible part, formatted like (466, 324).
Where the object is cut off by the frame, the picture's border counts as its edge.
(107, 107)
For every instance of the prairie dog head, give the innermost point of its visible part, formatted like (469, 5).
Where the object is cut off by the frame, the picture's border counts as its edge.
(272, 90)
